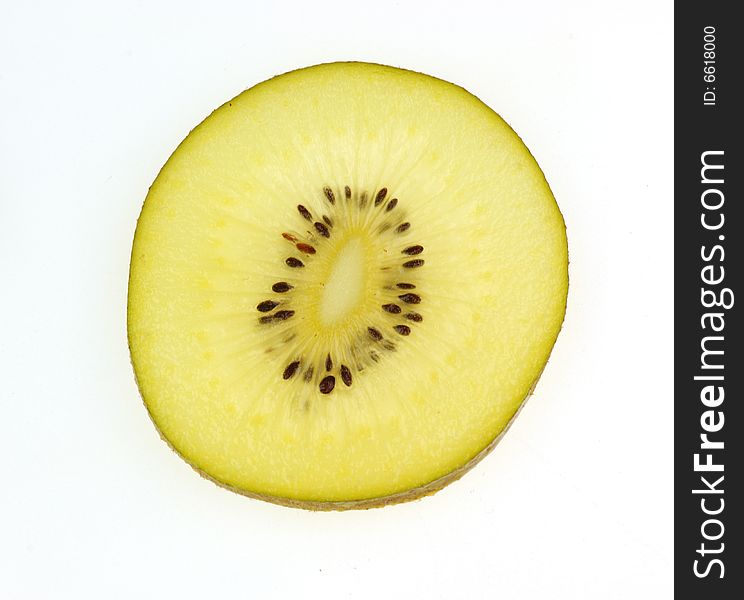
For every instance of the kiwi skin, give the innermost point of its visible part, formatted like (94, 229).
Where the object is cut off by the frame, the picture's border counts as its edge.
(428, 489)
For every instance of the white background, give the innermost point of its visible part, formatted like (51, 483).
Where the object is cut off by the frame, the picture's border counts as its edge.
(576, 501)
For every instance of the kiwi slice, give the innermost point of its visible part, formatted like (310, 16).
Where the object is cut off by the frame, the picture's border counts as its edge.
(344, 284)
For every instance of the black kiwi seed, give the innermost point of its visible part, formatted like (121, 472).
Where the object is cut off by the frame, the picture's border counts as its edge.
(268, 319)
(295, 263)
(327, 384)
(374, 334)
(346, 375)
(283, 315)
(322, 229)
(412, 264)
(329, 194)
(388, 345)
(329, 362)
(304, 212)
(267, 305)
(414, 316)
(391, 205)
(391, 308)
(403, 227)
(402, 329)
(411, 250)
(410, 298)
(347, 192)
(289, 237)
(328, 221)
(363, 200)
(380, 196)
(406, 286)
(291, 369)
(281, 286)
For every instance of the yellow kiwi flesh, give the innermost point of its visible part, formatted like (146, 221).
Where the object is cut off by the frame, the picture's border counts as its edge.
(344, 284)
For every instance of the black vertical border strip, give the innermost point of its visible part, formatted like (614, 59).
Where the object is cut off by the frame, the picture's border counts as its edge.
(699, 128)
